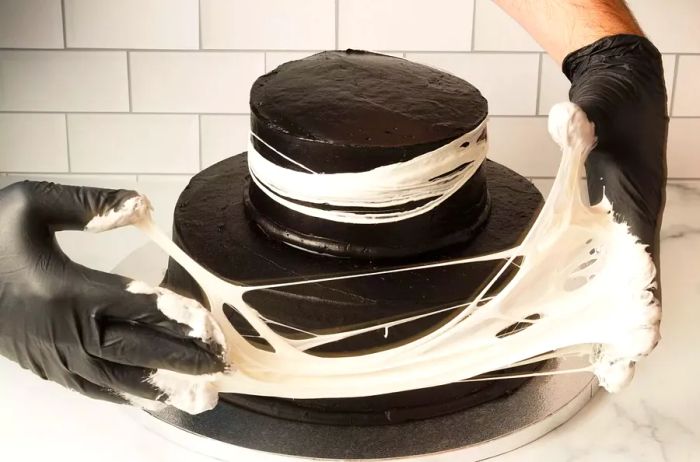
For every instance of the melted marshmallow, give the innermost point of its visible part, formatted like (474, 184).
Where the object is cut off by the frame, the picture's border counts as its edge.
(432, 177)
(131, 211)
(595, 300)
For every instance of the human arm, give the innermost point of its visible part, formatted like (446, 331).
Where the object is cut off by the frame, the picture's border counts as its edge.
(617, 78)
(563, 26)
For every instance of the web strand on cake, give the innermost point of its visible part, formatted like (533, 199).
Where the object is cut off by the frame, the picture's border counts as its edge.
(583, 288)
(415, 186)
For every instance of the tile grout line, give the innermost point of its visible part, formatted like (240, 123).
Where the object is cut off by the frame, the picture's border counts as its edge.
(189, 174)
(65, 120)
(63, 22)
(126, 112)
(136, 113)
(290, 50)
(471, 48)
(676, 66)
(199, 139)
(337, 21)
(128, 78)
(199, 21)
(539, 85)
(77, 174)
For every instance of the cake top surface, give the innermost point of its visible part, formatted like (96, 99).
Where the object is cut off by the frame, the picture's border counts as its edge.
(359, 98)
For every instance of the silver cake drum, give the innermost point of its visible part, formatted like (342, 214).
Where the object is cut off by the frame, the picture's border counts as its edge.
(232, 434)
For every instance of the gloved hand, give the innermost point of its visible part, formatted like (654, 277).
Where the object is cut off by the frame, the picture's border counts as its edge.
(618, 81)
(97, 333)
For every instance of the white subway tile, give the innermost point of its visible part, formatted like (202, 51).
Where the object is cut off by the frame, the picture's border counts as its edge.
(223, 136)
(162, 191)
(132, 24)
(101, 251)
(31, 24)
(508, 81)
(33, 143)
(270, 24)
(63, 81)
(138, 143)
(554, 86)
(683, 155)
(193, 81)
(671, 25)
(687, 98)
(524, 145)
(415, 25)
(544, 185)
(669, 62)
(273, 59)
(494, 30)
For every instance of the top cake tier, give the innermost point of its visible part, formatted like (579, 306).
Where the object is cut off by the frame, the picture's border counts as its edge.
(352, 112)
(346, 111)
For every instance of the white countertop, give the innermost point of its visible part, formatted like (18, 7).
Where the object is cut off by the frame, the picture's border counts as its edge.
(657, 418)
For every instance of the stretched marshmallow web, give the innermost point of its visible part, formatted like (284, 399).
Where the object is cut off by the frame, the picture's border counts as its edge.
(583, 288)
(430, 179)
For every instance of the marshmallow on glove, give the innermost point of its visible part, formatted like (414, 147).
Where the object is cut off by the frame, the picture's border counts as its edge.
(97, 333)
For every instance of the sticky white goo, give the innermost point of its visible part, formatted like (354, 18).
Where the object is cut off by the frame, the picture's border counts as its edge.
(583, 275)
(191, 393)
(433, 176)
(130, 212)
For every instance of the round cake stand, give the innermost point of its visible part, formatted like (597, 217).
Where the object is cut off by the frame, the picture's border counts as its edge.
(485, 431)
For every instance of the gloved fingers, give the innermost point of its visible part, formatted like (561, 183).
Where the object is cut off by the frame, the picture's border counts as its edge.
(134, 344)
(116, 304)
(125, 380)
(167, 311)
(79, 384)
(62, 207)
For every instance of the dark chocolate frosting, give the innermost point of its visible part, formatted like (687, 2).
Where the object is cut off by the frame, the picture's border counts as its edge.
(352, 111)
(210, 225)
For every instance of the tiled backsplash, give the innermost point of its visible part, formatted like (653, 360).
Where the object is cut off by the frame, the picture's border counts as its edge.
(144, 93)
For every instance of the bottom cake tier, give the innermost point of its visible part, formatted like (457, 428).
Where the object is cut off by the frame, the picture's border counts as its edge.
(211, 225)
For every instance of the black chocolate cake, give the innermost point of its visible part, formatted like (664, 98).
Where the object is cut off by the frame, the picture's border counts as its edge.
(353, 111)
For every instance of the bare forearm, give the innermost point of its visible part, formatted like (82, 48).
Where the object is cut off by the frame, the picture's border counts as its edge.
(563, 26)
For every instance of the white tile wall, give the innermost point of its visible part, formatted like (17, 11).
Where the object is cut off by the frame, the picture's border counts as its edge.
(523, 144)
(31, 24)
(33, 143)
(132, 23)
(684, 148)
(133, 143)
(495, 30)
(671, 24)
(508, 81)
(193, 82)
(275, 58)
(223, 136)
(411, 25)
(280, 24)
(63, 81)
(172, 77)
(687, 100)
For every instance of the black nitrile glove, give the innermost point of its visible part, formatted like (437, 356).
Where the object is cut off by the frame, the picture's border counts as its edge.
(80, 327)
(618, 81)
